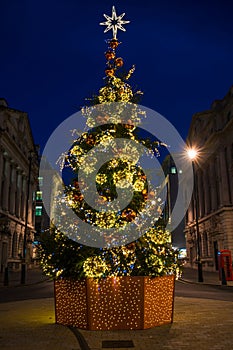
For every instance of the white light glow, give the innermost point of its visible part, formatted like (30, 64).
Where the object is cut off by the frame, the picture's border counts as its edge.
(192, 153)
(115, 22)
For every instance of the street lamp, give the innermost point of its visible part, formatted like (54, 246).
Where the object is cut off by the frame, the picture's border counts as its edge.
(192, 154)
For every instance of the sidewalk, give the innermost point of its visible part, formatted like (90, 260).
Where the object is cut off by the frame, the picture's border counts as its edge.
(33, 276)
(209, 277)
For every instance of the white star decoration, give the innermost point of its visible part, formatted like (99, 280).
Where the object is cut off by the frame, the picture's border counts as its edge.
(114, 23)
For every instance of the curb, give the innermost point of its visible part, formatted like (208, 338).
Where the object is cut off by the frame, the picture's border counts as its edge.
(24, 285)
(183, 280)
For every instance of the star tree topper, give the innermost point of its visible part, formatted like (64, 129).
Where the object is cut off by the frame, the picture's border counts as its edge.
(114, 23)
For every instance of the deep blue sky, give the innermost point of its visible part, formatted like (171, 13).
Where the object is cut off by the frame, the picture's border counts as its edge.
(52, 56)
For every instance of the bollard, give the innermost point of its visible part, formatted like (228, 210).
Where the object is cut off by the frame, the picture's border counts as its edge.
(6, 276)
(224, 281)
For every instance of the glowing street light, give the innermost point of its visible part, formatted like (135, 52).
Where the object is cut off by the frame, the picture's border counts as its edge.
(193, 154)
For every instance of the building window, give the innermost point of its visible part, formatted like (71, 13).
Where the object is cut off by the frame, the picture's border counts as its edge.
(228, 170)
(173, 170)
(38, 195)
(14, 245)
(12, 178)
(40, 180)
(38, 210)
(205, 244)
(2, 193)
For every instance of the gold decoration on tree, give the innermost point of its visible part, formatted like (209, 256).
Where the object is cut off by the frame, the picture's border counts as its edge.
(114, 43)
(151, 254)
(119, 62)
(110, 55)
(109, 72)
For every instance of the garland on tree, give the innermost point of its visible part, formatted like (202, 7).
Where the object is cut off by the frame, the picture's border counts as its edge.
(151, 254)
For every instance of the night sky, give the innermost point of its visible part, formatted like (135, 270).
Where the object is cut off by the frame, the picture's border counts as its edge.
(52, 56)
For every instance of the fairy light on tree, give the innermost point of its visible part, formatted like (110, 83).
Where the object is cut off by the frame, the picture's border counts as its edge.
(152, 253)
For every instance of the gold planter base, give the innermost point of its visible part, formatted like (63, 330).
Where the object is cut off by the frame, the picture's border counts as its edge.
(115, 303)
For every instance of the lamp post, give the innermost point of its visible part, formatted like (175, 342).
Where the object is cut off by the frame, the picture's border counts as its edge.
(23, 269)
(192, 153)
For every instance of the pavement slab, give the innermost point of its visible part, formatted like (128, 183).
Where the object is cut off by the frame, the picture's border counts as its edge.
(199, 324)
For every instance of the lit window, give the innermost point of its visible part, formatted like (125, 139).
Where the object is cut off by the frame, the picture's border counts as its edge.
(38, 210)
(173, 170)
(40, 180)
(38, 195)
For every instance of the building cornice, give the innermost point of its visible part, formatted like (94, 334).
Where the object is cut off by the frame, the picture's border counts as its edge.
(209, 216)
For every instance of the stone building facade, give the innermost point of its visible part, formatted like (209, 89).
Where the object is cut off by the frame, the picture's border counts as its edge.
(211, 133)
(18, 181)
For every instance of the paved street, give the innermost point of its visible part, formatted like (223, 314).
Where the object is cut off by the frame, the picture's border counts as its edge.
(29, 324)
(199, 324)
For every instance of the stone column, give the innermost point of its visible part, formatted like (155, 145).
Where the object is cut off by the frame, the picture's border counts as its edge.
(5, 193)
(217, 181)
(230, 170)
(201, 193)
(206, 190)
(23, 198)
(19, 190)
(12, 188)
(224, 186)
(213, 188)
(190, 211)
(1, 173)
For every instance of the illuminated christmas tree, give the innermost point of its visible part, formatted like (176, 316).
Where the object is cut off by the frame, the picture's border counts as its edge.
(151, 254)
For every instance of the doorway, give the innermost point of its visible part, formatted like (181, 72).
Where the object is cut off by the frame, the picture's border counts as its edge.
(3, 256)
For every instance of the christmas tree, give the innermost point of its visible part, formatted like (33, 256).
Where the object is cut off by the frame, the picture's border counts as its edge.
(151, 254)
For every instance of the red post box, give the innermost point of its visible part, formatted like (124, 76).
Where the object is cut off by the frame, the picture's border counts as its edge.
(225, 263)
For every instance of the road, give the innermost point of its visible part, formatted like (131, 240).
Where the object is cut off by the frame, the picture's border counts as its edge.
(203, 291)
(34, 291)
(183, 289)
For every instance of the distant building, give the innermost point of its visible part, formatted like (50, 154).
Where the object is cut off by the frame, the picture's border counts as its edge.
(18, 158)
(42, 220)
(172, 187)
(211, 132)
(46, 192)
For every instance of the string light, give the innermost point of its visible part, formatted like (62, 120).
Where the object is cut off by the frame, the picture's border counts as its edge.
(115, 302)
(111, 288)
